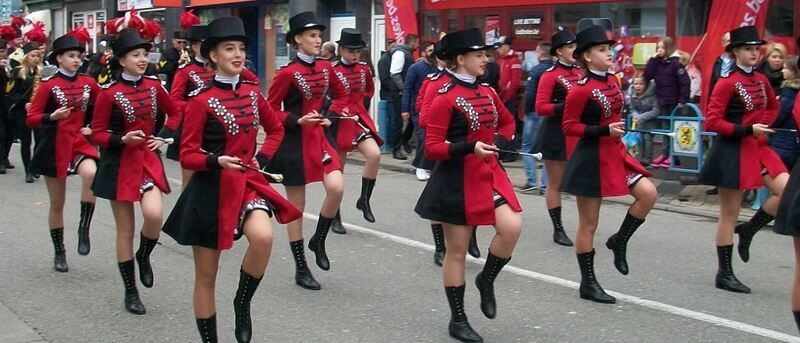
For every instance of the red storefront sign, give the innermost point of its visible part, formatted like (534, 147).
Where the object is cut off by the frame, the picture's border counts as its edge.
(458, 4)
(401, 19)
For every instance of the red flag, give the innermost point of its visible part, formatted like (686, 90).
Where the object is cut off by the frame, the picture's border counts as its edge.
(401, 19)
(724, 16)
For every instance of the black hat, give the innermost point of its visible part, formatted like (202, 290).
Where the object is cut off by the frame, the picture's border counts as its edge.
(561, 38)
(63, 44)
(179, 35)
(463, 41)
(439, 49)
(29, 47)
(223, 29)
(503, 40)
(127, 41)
(745, 35)
(301, 22)
(351, 38)
(197, 33)
(591, 36)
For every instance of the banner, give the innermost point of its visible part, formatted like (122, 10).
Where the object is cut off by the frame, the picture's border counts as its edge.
(724, 16)
(401, 19)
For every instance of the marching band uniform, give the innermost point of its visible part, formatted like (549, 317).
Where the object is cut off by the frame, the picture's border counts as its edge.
(738, 160)
(550, 141)
(62, 147)
(465, 189)
(599, 165)
(126, 172)
(20, 91)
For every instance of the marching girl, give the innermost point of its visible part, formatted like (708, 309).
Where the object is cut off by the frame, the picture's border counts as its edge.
(131, 170)
(600, 166)
(20, 88)
(305, 156)
(742, 107)
(189, 78)
(60, 109)
(227, 197)
(468, 187)
(360, 133)
(550, 142)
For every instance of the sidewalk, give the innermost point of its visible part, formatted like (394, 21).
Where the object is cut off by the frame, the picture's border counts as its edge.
(13, 329)
(673, 196)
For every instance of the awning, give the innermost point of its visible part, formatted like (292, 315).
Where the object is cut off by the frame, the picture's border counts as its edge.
(459, 4)
(195, 3)
(41, 5)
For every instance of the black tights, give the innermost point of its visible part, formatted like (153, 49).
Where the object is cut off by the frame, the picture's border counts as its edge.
(25, 146)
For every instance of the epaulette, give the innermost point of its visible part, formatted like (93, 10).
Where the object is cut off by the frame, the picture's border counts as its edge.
(249, 82)
(360, 62)
(47, 78)
(197, 91)
(287, 64)
(583, 81)
(335, 63)
(726, 74)
(183, 65)
(435, 76)
(446, 87)
(108, 85)
(552, 67)
(485, 84)
(152, 77)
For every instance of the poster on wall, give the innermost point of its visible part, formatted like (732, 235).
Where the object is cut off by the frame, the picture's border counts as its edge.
(492, 28)
(125, 5)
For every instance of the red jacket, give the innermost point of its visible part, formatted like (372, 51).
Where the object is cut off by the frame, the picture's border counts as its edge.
(61, 141)
(510, 76)
(428, 92)
(123, 106)
(551, 95)
(462, 187)
(222, 121)
(600, 165)
(738, 101)
(299, 88)
(357, 81)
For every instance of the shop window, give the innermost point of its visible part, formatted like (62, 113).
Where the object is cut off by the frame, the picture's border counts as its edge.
(343, 7)
(780, 18)
(430, 24)
(692, 16)
(378, 4)
(640, 18)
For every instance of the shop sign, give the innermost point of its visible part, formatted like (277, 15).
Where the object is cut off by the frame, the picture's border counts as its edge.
(527, 28)
(126, 5)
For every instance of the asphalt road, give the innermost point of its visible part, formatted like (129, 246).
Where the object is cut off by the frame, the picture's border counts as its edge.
(383, 285)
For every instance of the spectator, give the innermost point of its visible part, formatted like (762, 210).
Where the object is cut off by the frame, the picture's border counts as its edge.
(530, 127)
(172, 58)
(387, 86)
(491, 75)
(784, 142)
(413, 81)
(772, 66)
(510, 81)
(328, 51)
(695, 77)
(672, 89)
(644, 110)
(723, 64)
(401, 59)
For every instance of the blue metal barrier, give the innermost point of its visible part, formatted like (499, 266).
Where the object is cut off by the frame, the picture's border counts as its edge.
(383, 124)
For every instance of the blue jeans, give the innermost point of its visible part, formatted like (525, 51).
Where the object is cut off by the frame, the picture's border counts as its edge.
(529, 131)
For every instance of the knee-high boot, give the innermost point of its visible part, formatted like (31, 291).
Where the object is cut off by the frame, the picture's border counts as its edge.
(207, 329)
(317, 242)
(590, 289)
(473, 249)
(725, 278)
(302, 275)
(618, 242)
(87, 212)
(146, 246)
(485, 283)
(559, 236)
(748, 230)
(459, 325)
(241, 305)
(438, 241)
(132, 302)
(336, 225)
(60, 259)
(367, 185)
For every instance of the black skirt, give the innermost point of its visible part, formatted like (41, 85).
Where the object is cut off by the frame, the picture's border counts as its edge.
(721, 168)
(787, 221)
(174, 149)
(550, 140)
(193, 220)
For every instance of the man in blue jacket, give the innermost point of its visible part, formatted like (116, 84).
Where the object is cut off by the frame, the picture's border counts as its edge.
(532, 120)
(413, 81)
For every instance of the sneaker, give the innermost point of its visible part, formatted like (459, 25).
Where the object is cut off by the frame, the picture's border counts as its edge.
(423, 175)
(528, 188)
(657, 162)
(667, 163)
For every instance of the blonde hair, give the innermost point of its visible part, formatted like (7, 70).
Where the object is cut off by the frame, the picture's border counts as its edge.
(24, 68)
(773, 47)
(684, 57)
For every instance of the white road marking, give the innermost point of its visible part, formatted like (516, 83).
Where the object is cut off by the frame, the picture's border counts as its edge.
(680, 311)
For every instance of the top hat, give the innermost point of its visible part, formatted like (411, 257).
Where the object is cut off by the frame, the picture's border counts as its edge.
(223, 29)
(30, 46)
(561, 38)
(503, 40)
(591, 36)
(351, 38)
(179, 35)
(63, 44)
(439, 49)
(197, 33)
(463, 41)
(127, 41)
(301, 22)
(745, 35)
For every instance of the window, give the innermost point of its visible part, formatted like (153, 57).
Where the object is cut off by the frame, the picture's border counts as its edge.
(640, 18)
(378, 4)
(780, 18)
(691, 17)
(432, 24)
(342, 7)
(527, 27)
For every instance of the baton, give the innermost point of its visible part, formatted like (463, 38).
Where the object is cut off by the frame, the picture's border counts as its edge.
(669, 134)
(537, 156)
(276, 177)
